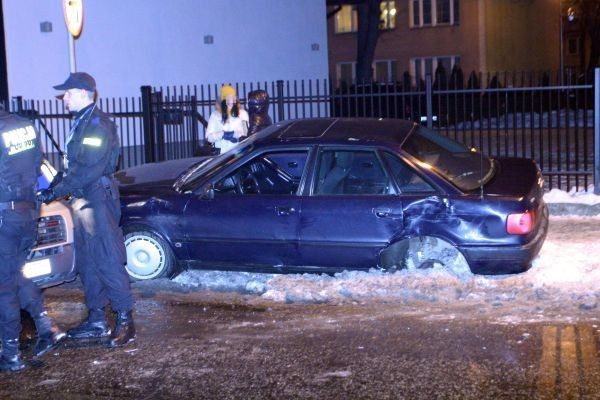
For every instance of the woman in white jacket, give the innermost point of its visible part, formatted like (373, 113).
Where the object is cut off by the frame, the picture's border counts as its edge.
(228, 123)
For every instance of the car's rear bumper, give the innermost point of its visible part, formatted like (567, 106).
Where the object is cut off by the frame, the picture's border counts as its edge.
(508, 259)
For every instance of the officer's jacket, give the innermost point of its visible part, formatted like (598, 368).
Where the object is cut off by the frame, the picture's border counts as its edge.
(20, 158)
(92, 152)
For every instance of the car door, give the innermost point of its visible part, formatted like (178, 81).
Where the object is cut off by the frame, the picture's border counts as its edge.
(352, 211)
(252, 218)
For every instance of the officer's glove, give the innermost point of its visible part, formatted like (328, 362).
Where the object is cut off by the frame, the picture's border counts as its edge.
(57, 179)
(46, 196)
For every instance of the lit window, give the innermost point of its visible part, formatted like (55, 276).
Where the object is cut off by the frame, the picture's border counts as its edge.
(346, 20)
(434, 12)
(388, 15)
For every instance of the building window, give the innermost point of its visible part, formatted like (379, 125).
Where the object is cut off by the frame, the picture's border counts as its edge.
(346, 72)
(388, 15)
(422, 66)
(346, 20)
(434, 12)
(384, 71)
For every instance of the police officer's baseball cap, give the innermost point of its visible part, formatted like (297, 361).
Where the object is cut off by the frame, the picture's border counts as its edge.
(78, 80)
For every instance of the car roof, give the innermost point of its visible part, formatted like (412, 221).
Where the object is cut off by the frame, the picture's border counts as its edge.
(338, 130)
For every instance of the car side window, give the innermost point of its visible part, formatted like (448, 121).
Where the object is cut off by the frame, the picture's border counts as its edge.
(274, 173)
(407, 179)
(356, 172)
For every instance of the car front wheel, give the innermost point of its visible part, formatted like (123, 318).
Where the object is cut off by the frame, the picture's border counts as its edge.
(148, 256)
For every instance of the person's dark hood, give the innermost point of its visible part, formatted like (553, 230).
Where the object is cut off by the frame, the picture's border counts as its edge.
(258, 102)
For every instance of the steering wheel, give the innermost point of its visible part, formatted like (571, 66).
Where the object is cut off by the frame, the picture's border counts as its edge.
(246, 182)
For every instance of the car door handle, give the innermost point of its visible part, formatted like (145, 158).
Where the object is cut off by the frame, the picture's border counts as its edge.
(384, 212)
(282, 211)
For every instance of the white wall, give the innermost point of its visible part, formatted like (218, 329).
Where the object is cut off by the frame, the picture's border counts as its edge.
(129, 43)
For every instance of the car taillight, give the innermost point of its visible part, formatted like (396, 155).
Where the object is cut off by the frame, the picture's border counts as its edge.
(521, 223)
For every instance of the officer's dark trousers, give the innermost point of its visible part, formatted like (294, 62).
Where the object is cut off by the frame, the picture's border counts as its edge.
(30, 296)
(99, 250)
(17, 235)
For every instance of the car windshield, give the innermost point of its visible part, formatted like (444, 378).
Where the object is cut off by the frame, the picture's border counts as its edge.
(465, 168)
(206, 167)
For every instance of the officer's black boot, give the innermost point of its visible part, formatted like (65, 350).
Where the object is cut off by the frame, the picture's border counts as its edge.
(10, 359)
(124, 330)
(48, 334)
(94, 326)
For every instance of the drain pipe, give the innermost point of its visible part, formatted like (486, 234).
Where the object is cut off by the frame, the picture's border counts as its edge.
(597, 131)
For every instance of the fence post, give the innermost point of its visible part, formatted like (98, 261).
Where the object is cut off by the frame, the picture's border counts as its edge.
(17, 104)
(193, 112)
(597, 131)
(148, 124)
(429, 100)
(280, 100)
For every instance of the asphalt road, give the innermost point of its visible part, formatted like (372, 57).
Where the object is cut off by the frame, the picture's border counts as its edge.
(203, 345)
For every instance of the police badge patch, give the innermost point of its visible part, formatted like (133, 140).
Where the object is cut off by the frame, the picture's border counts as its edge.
(20, 139)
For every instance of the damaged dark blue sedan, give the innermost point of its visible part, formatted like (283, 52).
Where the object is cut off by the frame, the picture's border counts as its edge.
(325, 195)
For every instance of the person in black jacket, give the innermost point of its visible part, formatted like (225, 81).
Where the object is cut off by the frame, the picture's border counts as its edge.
(92, 155)
(20, 159)
(258, 111)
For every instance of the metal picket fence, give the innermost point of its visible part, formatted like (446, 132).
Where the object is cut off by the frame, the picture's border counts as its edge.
(532, 115)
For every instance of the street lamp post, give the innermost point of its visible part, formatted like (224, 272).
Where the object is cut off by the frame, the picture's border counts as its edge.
(73, 13)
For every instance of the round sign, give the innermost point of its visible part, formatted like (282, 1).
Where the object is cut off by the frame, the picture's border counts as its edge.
(73, 11)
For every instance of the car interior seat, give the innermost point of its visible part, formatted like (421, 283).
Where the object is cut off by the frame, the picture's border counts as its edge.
(333, 181)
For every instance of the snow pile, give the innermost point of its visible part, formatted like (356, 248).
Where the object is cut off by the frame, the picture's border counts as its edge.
(573, 196)
(225, 281)
(565, 276)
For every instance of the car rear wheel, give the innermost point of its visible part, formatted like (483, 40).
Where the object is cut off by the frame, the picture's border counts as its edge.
(148, 256)
(429, 252)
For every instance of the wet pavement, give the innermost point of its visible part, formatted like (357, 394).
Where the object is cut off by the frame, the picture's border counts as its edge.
(527, 337)
(209, 345)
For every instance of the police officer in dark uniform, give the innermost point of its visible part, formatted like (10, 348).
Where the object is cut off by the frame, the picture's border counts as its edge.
(92, 156)
(20, 159)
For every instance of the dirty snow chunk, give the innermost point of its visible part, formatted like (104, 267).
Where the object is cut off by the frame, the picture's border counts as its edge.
(224, 281)
(49, 382)
(337, 374)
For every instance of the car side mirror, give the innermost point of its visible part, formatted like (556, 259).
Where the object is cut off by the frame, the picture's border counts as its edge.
(208, 192)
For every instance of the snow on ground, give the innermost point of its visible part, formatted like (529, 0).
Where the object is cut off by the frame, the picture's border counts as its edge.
(573, 196)
(564, 280)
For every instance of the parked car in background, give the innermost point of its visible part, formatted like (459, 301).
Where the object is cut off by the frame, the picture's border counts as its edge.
(52, 260)
(325, 195)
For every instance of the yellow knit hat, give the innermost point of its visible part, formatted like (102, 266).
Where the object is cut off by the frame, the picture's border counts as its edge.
(227, 90)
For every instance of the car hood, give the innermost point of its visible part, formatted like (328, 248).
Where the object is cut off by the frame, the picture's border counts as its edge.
(515, 177)
(154, 175)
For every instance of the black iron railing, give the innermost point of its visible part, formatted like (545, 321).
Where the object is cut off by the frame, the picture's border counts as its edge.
(520, 115)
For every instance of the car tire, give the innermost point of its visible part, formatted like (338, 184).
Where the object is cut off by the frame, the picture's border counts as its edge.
(429, 252)
(148, 255)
